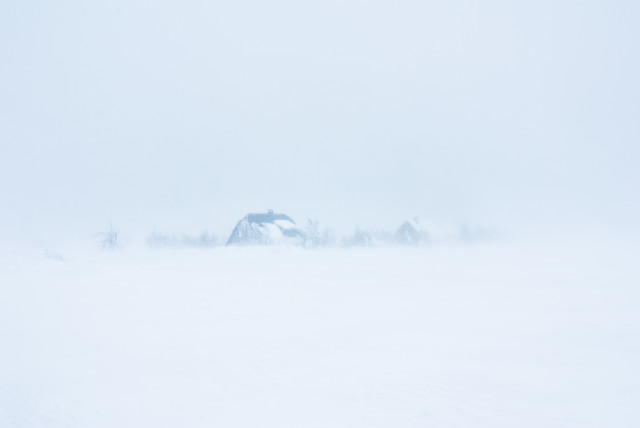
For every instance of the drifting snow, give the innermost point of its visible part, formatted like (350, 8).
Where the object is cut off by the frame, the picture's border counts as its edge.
(476, 336)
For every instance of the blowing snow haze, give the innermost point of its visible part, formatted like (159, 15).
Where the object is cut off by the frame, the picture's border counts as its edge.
(319, 185)
(187, 115)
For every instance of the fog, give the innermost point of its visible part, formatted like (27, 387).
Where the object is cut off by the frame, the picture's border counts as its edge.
(184, 116)
(508, 128)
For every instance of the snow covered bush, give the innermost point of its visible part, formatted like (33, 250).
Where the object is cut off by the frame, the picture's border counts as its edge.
(203, 240)
(53, 255)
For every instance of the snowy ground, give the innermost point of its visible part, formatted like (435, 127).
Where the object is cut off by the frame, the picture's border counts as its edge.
(492, 335)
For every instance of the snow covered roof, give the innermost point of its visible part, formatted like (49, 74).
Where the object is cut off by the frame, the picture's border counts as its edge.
(268, 228)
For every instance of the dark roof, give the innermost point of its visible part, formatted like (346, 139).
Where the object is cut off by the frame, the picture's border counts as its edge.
(268, 217)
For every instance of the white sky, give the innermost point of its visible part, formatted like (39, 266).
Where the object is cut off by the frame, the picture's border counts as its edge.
(184, 116)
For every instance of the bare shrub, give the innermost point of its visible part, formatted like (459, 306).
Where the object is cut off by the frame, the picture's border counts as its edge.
(109, 239)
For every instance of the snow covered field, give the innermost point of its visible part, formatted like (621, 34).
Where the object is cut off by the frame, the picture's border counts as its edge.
(491, 335)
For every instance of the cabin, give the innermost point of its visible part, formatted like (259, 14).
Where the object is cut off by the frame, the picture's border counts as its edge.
(411, 233)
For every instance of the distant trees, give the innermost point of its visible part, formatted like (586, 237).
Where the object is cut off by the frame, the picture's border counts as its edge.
(367, 238)
(316, 237)
(203, 240)
(409, 233)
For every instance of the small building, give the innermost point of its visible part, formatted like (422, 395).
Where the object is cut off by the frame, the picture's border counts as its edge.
(268, 228)
(411, 233)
